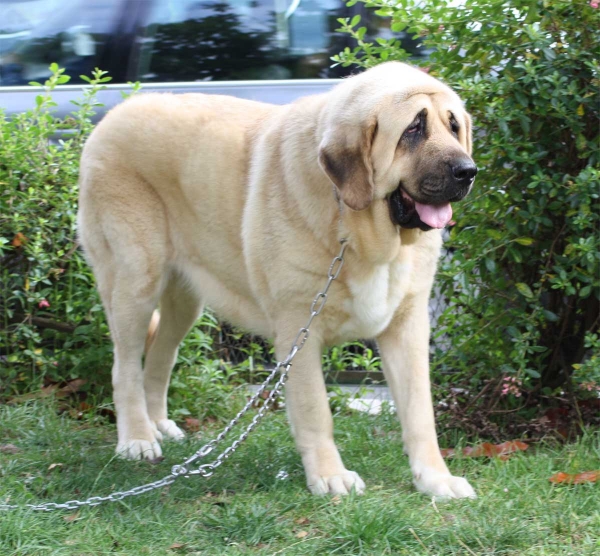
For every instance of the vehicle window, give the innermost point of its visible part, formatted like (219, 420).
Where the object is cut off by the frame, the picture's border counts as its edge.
(35, 33)
(205, 40)
(179, 40)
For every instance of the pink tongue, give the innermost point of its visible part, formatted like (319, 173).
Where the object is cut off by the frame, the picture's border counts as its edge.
(436, 217)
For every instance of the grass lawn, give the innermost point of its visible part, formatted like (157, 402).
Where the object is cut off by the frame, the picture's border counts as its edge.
(245, 509)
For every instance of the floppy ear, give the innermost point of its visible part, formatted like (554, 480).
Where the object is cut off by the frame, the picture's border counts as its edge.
(345, 156)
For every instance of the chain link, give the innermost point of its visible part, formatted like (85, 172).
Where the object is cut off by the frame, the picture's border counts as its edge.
(206, 470)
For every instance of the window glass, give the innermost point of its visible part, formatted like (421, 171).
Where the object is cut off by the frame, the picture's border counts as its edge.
(191, 40)
(195, 40)
(179, 40)
(35, 33)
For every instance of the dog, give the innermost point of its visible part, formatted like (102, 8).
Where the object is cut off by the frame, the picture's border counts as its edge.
(197, 199)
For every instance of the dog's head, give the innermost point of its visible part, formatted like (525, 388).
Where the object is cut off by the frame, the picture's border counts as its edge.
(396, 133)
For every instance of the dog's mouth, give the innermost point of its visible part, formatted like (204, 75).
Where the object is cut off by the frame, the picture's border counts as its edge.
(409, 213)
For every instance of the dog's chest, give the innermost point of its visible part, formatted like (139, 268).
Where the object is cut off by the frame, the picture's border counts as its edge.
(374, 299)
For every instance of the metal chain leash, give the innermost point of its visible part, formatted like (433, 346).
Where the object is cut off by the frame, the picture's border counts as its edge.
(207, 469)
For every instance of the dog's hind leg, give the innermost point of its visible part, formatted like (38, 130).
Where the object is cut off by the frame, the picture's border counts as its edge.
(130, 315)
(123, 230)
(179, 309)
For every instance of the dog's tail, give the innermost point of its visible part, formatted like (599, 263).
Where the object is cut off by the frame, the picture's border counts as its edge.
(152, 330)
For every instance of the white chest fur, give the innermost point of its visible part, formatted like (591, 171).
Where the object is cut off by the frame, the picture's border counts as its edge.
(374, 299)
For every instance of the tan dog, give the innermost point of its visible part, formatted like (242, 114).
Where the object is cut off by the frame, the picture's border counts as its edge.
(194, 199)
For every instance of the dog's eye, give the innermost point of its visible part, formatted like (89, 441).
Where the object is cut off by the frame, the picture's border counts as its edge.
(416, 130)
(414, 127)
(454, 127)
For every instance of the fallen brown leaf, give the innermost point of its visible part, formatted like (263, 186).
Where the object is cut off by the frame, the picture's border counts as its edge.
(9, 449)
(301, 521)
(52, 389)
(486, 449)
(192, 424)
(575, 479)
(71, 387)
(301, 534)
(54, 466)
(71, 517)
(492, 450)
(176, 545)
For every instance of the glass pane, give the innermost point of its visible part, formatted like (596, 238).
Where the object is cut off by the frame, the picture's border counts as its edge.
(35, 33)
(206, 40)
(191, 40)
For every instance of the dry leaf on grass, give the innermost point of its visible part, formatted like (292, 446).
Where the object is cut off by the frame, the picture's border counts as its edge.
(54, 466)
(192, 424)
(71, 517)
(575, 479)
(176, 545)
(71, 387)
(9, 449)
(486, 449)
(301, 521)
(301, 534)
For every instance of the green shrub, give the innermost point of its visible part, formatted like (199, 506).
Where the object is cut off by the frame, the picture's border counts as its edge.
(522, 281)
(48, 306)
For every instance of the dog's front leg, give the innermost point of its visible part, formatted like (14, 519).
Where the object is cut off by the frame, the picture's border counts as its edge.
(404, 348)
(311, 421)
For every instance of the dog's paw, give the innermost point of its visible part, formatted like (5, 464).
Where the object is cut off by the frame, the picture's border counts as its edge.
(443, 485)
(342, 483)
(169, 429)
(139, 449)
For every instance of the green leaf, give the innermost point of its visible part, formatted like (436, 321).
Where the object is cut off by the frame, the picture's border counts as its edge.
(552, 317)
(581, 142)
(585, 291)
(398, 26)
(63, 79)
(524, 289)
(524, 240)
(355, 21)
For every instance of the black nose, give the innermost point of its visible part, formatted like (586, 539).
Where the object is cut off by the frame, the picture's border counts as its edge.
(464, 171)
